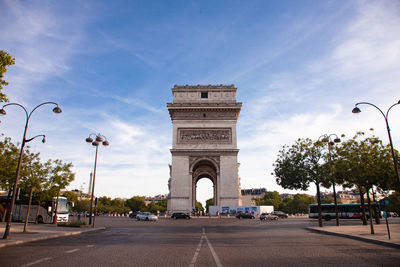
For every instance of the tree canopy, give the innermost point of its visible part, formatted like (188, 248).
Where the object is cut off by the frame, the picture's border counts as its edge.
(5, 60)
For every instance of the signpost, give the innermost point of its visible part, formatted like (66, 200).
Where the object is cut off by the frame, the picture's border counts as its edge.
(385, 203)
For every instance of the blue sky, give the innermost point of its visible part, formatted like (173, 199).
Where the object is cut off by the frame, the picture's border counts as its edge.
(299, 66)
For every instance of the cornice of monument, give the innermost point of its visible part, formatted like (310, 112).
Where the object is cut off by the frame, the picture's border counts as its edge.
(203, 87)
(201, 105)
(204, 152)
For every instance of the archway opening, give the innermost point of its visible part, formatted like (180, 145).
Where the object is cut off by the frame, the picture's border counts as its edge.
(204, 168)
(204, 191)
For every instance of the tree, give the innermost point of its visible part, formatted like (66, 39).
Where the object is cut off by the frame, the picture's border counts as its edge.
(209, 202)
(299, 165)
(270, 198)
(5, 60)
(71, 196)
(82, 205)
(364, 163)
(199, 207)
(157, 206)
(136, 203)
(9, 154)
(394, 203)
(31, 179)
(61, 177)
(299, 204)
(328, 200)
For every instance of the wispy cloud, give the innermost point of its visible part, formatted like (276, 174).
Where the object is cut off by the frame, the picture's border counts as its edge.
(364, 65)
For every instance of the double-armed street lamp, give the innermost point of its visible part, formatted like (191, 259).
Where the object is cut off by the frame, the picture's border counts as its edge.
(56, 110)
(385, 116)
(96, 142)
(328, 139)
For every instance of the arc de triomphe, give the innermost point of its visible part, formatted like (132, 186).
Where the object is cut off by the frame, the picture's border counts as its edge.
(204, 144)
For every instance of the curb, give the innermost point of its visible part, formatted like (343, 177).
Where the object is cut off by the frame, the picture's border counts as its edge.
(359, 238)
(19, 242)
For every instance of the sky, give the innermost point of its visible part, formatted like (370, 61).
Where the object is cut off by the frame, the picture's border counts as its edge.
(299, 67)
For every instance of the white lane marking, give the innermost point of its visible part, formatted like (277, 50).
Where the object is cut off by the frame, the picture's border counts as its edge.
(36, 262)
(89, 246)
(216, 259)
(72, 250)
(196, 254)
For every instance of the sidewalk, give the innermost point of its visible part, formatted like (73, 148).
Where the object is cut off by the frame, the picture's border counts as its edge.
(363, 233)
(38, 232)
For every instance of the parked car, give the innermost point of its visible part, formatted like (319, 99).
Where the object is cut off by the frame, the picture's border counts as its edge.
(133, 214)
(146, 216)
(280, 214)
(268, 217)
(180, 215)
(245, 215)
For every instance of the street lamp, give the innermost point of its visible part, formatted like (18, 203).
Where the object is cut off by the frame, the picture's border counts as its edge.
(56, 110)
(98, 139)
(328, 139)
(385, 116)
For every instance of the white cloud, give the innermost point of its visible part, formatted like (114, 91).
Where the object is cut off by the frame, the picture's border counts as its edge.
(364, 65)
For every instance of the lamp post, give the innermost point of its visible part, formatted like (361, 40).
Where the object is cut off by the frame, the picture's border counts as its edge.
(385, 116)
(98, 139)
(24, 141)
(328, 139)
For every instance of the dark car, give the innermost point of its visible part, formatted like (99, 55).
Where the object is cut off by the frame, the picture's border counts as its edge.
(133, 215)
(245, 216)
(180, 215)
(280, 214)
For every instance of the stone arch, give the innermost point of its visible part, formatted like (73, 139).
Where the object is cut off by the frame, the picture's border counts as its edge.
(204, 168)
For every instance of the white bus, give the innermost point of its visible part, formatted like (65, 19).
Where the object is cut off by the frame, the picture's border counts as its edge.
(45, 213)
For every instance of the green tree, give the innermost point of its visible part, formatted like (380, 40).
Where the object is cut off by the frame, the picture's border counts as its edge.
(157, 206)
(81, 205)
(209, 202)
(136, 203)
(394, 203)
(5, 60)
(364, 163)
(31, 178)
(270, 198)
(297, 205)
(9, 154)
(60, 177)
(71, 196)
(328, 200)
(199, 207)
(299, 165)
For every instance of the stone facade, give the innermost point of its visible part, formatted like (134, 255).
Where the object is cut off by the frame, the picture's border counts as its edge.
(204, 144)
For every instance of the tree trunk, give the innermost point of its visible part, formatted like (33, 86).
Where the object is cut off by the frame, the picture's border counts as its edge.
(363, 217)
(29, 209)
(37, 212)
(370, 213)
(319, 206)
(7, 206)
(377, 209)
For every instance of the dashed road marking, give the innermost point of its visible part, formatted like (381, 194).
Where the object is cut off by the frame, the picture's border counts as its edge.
(37, 262)
(89, 246)
(72, 250)
(196, 254)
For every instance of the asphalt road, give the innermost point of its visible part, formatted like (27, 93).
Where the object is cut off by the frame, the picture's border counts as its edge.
(200, 242)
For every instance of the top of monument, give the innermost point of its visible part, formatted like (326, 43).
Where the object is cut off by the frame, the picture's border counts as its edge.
(202, 87)
(204, 93)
